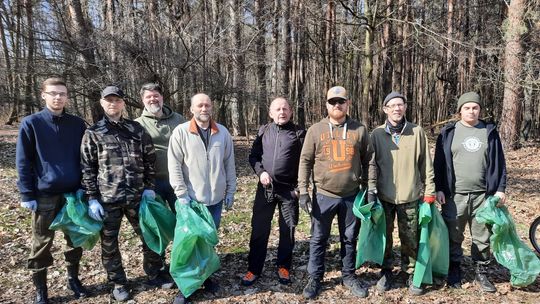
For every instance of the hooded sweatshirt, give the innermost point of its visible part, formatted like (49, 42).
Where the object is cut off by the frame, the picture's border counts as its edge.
(337, 155)
(160, 130)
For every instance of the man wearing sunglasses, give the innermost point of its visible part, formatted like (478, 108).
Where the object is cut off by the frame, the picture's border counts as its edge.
(335, 155)
(400, 174)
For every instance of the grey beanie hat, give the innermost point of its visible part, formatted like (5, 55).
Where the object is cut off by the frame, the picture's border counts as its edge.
(469, 97)
(392, 96)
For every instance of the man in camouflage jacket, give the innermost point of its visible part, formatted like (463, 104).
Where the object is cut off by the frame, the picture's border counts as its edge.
(117, 157)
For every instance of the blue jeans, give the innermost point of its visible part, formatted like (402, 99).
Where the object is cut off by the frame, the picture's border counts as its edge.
(164, 189)
(215, 211)
(324, 210)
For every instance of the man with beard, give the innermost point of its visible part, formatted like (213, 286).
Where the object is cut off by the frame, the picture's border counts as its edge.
(274, 157)
(159, 121)
(336, 153)
(400, 174)
(201, 166)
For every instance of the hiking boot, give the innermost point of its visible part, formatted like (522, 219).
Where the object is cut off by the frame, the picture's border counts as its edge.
(355, 287)
(386, 280)
(249, 279)
(74, 284)
(312, 289)
(454, 275)
(211, 285)
(120, 293)
(283, 276)
(40, 281)
(161, 281)
(413, 290)
(180, 299)
(482, 280)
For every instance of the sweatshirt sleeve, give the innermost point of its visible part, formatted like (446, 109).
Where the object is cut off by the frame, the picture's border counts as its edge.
(230, 168)
(175, 161)
(307, 160)
(25, 162)
(255, 155)
(149, 160)
(439, 166)
(373, 171)
(365, 157)
(426, 165)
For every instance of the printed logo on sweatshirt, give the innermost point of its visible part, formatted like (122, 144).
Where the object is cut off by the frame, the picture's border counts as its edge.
(472, 144)
(339, 151)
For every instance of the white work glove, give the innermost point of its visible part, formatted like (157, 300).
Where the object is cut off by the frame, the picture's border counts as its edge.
(95, 210)
(229, 201)
(149, 193)
(183, 200)
(32, 205)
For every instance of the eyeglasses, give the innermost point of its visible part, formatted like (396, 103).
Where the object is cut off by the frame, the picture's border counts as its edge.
(333, 102)
(397, 105)
(59, 94)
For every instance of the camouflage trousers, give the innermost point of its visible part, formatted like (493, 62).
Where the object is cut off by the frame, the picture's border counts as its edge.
(110, 252)
(407, 220)
(42, 237)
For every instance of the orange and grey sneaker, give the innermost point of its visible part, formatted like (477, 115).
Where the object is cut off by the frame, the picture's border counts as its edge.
(249, 279)
(283, 275)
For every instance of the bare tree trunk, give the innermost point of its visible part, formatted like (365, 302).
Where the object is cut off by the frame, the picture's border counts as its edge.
(512, 103)
(260, 20)
(287, 50)
(237, 109)
(367, 69)
(28, 86)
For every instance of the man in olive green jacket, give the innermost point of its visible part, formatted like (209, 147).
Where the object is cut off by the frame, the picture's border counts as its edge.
(400, 174)
(159, 121)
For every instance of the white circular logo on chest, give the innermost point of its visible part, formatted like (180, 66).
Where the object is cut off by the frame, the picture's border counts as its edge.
(472, 144)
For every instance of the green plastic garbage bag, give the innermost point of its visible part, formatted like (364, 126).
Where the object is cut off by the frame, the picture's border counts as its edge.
(433, 250)
(372, 235)
(193, 257)
(507, 248)
(73, 220)
(157, 223)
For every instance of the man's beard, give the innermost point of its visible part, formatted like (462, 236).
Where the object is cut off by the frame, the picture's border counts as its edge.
(153, 108)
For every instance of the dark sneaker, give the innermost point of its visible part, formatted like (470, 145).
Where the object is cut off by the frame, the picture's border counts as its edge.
(78, 289)
(283, 276)
(211, 285)
(386, 280)
(484, 283)
(120, 293)
(161, 281)
(413, 290)
(454, 275)
(355, 287)
(180, 299)
(249, 279)
(312, 289)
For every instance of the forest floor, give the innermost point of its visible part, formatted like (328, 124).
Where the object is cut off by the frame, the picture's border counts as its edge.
(16, 287)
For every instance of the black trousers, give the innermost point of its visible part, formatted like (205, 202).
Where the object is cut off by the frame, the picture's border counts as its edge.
(261, 221)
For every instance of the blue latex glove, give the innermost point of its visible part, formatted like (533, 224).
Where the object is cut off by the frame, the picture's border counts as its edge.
(183, 200)
(229, 201)
(95, 210)
(149, 193)
(32, 205)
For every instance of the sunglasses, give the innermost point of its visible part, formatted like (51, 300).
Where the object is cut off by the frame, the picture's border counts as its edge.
(333, 102)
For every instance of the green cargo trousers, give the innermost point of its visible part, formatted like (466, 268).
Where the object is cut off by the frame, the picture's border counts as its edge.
(42, 237)
(110, 251)
(459, 211)
(407, 220)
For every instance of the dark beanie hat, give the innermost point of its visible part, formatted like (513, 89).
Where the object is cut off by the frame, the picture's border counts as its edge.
(392, 96)
(468, 97)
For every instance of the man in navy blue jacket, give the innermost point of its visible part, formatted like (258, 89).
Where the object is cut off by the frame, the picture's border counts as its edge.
(274, 157)
(469, 167)
(48, 164)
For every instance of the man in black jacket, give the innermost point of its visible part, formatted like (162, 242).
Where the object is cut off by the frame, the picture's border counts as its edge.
(469, 167)
(274, 157)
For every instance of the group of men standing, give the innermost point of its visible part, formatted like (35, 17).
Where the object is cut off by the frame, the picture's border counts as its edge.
(117, 161)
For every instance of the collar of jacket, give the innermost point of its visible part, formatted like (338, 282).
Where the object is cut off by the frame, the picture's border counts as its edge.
(193, 127)
(50, 116)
